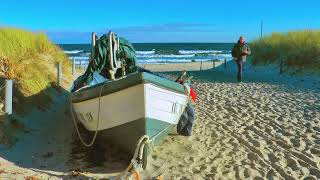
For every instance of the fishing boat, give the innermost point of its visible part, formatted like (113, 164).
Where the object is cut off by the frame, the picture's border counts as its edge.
(133, 106)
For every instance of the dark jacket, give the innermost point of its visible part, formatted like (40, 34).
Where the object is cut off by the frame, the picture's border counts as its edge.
(239, 49)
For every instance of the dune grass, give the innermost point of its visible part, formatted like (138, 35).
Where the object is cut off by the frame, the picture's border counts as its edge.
(298, 50)
(30, 59)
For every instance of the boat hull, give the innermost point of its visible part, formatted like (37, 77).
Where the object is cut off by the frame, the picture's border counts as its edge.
(150, 107)
(127, 135)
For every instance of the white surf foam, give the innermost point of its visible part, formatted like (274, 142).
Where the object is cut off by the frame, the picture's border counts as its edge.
(198, 51)
(164, 56)
(144, 52)
(73, 51)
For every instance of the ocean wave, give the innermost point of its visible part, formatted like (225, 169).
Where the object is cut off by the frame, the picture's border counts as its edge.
(145, 52)
(150, 57)
(168, 58)
(73, 51)
(178, 52)
(199, 51)
(167, 51)
(183, 56)
(163, 56)
(163, 61)
(223, 55)
(86, 58)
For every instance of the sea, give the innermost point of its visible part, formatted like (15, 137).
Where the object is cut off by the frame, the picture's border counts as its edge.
(161, 53)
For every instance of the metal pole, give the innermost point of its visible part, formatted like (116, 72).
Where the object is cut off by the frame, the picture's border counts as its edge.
(73, 66)
(225, 63)
(59, 74)
(8, 97)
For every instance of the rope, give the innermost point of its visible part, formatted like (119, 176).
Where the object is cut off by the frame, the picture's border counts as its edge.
(138, 151)
(145, 139)
(75, 123)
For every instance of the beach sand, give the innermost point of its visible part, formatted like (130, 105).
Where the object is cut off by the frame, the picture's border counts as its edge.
(193, 66)
(265, 127)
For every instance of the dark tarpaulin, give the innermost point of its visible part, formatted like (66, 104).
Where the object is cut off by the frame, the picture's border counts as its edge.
(100, 61)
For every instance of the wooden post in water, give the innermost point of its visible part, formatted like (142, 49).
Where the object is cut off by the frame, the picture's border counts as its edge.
(213, 64)
(8, 97)
(73, 66)
(59, 74)
(225, 63)
(80, 64)
(201, 65)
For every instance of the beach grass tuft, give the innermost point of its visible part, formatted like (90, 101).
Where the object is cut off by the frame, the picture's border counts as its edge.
(298, 50)
(30, 59)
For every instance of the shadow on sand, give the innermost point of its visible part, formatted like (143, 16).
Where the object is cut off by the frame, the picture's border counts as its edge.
(44, 140)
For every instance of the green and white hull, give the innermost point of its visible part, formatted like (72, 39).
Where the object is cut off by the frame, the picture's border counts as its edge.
(136, 105)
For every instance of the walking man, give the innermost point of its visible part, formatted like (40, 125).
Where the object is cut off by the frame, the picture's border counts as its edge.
(240, 51)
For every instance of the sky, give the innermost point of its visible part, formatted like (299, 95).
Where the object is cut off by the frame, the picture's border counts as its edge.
(72, 21)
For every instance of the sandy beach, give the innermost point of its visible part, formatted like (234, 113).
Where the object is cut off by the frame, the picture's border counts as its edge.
(163, 90)
(192, 66)
(266, 127)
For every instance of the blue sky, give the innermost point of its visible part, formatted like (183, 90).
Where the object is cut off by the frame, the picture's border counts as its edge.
(70, 21)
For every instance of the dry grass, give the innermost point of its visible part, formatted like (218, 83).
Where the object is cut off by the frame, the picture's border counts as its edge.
(30, 59)
(298, 50)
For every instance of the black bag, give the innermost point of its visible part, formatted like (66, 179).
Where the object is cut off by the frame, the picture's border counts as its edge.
(186, 121)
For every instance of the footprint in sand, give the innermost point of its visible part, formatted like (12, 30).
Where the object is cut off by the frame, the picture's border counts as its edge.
(295, 142)
(315, 151)
(292, 164)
